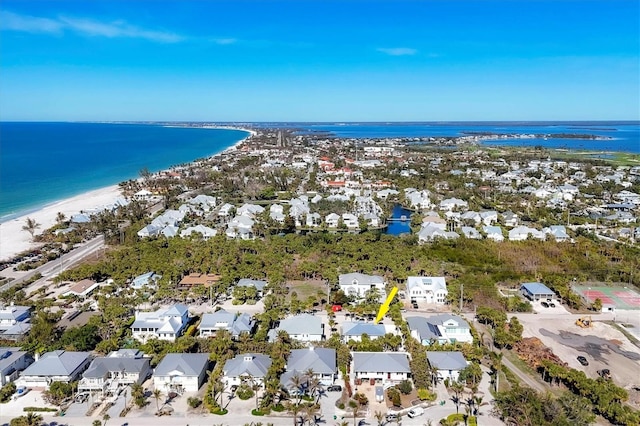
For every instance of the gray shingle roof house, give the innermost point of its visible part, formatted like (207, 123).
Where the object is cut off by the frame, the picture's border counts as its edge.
(56, 366)
(391, 367)
(244, 365)
(235, 324)
(449, 364)
(118, 369)
(12, 361)
(321, 360)
(303, 327)
(181, 372)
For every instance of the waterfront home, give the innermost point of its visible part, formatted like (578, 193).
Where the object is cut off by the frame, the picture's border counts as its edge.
(427, 289)
(350, 220)
(108, 375)
(56, 366)
(304, 328)
(358, 285)
(447, 364)
(12, 362)
(384, 367)
(181, 372)
(419, 199)
(250, 367)
(236, 324)
(163, 324)
(319, 363)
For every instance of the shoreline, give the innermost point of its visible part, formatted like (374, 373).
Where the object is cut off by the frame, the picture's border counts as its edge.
(14, 240)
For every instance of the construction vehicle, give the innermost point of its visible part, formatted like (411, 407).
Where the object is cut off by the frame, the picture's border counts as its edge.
(605, 374)
(584, 322)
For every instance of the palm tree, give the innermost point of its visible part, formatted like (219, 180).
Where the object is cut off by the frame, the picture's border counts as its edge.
(30, 226)
(105, 419)
(60, 217)
(33, 419)
(157, 393)
(353, 406)
(296, 381)
(379, 416)
(457, 389)
(294, 408)
(496, 366)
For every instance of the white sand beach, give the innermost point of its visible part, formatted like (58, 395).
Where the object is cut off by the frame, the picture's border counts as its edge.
(13, 239)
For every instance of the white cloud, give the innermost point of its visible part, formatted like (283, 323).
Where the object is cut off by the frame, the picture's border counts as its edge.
(88, 27)
(26, 23)
(398, 51)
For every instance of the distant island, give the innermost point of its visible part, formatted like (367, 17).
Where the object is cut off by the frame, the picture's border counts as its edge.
(491, 135)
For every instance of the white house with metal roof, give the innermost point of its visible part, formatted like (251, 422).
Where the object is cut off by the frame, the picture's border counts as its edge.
(536, 291)
(303, 327)
(181, 372)
(234, 323)
(163, 324)
(384, 367)
(357, 285)
(109, 374)
(14, 321)
(320, 361)
(448, 364)
(56, 366)
(427, 289)
(355, 330)
(12, 362)
(243, 366)
(444, 328)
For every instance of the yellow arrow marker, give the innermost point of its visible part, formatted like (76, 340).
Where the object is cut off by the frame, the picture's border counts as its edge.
(384, 308)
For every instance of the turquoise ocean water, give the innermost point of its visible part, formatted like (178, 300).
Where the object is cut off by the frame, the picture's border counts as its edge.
(41, 163)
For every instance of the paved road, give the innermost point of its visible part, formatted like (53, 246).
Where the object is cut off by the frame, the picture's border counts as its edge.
(53, 268)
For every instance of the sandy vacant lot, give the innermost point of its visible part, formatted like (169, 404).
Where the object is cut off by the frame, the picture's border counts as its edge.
(602, 345)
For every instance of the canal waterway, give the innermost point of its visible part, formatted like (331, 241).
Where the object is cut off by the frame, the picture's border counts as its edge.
(396, 225)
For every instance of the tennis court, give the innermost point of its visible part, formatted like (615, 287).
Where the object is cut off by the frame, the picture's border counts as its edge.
(620, 297)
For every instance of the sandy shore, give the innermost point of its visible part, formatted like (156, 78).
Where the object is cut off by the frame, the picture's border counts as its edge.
(13, 239)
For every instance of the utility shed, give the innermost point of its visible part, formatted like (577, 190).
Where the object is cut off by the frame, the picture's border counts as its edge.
(536, 291)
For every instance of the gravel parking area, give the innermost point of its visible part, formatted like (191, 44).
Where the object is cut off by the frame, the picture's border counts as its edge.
(602, 345)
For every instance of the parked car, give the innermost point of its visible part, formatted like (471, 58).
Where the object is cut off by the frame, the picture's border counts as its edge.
(553, 305)
(334, 388)
(415, 412)
(392, 417)
(414, 304)
(544, 304)
(582, 360)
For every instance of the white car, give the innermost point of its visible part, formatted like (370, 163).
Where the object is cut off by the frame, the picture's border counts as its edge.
(415, 412)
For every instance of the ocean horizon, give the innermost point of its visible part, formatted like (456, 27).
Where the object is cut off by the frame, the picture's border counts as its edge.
(46, 162)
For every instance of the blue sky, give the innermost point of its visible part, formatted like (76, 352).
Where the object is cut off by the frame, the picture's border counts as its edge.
(305, 60)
